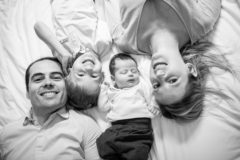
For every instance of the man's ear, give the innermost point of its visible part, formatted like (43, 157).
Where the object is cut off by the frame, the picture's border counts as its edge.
(27, 95)
(112, 78)
(192, 69)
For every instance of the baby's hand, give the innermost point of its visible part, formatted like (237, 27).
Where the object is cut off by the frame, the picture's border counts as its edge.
(154, 111)
(107, 84)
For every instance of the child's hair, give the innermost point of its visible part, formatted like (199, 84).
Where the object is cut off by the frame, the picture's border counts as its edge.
(79, 98)
(191, 106)
(122, 56)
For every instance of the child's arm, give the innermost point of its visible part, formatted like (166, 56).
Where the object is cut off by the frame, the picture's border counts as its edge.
(45, 34)
(103, 100)
(152, 106)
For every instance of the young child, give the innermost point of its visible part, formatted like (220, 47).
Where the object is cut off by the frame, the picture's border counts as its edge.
(129, 107)
(84, 70)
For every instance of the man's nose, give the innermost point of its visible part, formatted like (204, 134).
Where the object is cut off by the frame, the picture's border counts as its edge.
(48, 83)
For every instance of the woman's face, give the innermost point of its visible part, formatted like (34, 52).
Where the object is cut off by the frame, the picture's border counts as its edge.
(169, 77)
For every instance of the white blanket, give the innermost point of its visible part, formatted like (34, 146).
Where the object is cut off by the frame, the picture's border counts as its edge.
(217, 130)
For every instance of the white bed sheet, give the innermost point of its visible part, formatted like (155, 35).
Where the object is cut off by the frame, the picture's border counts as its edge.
(19, 46)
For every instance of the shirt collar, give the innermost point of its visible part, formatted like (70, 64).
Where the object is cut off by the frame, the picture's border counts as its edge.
(29, 119)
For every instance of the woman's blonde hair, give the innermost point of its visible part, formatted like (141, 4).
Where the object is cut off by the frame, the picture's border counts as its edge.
(202, 55)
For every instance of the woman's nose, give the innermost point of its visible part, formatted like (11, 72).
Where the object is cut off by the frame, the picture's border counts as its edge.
(160, 73)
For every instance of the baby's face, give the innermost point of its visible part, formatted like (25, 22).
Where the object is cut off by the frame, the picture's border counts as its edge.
(126, 73)
(87, 71)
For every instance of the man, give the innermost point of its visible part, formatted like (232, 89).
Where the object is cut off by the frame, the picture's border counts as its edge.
(50, 131)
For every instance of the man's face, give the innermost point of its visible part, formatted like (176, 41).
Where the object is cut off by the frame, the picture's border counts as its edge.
(47, 88)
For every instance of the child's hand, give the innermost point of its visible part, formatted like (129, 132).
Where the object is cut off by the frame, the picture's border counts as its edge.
(66, 61)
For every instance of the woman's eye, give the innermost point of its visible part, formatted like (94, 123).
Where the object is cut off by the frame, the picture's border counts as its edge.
(171, 81)
(156, 85)
(80, 74)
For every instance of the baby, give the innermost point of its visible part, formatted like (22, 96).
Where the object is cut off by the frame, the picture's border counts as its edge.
(129, 109)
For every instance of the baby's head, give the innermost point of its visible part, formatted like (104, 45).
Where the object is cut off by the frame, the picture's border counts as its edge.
(124, 71)
(83, 81)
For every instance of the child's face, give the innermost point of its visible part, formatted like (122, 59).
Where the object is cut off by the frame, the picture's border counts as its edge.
(87, 72)
(126, 73)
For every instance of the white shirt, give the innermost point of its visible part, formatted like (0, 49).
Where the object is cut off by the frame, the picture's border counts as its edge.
(127, 103)
(64, 136)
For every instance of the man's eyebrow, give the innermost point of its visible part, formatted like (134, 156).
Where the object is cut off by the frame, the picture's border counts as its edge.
(60, 73)
(36, 74)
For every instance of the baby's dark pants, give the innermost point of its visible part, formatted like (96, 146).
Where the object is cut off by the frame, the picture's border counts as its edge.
(129, 139)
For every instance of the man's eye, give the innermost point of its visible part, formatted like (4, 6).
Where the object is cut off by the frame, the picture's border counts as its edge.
(80, 74)
(156, 85)
(58, 78)
(173, 80)
(94, 75)
(37, 80)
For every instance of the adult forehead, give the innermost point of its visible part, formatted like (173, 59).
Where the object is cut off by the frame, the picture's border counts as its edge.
(45, 66)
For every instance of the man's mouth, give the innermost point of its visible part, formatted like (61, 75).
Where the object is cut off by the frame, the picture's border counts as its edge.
(49, 93)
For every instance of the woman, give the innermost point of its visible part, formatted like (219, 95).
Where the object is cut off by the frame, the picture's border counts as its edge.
(161, 28)
(214, 129)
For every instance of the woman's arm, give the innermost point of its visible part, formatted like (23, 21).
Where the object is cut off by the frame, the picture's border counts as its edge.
(45, 34)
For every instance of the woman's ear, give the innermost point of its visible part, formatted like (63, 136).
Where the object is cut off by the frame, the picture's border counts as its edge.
(192, 69)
